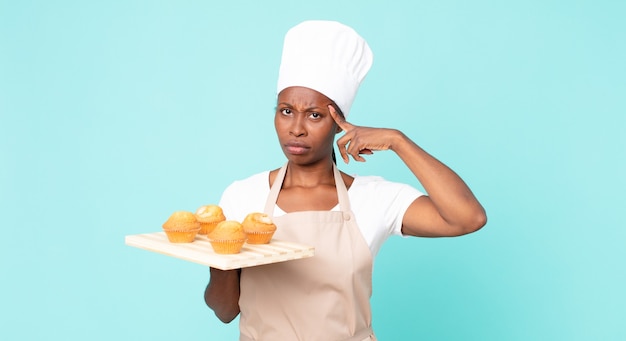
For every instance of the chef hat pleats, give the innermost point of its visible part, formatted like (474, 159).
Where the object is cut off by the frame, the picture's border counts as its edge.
(325, 56)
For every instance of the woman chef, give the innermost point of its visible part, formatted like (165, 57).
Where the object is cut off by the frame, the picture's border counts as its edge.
(346, 219)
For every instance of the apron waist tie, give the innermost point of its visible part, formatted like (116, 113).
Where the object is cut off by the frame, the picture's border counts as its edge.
(361, 335)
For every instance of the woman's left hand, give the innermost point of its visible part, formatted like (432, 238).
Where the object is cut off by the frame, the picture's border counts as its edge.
(359, 140)
(449, 209)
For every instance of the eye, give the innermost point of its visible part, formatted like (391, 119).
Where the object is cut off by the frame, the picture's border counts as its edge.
(285, 111)
(315, 115)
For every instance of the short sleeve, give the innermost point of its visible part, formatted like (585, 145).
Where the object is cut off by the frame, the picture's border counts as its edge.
(245, 196)
(404, 197)
(379, 207)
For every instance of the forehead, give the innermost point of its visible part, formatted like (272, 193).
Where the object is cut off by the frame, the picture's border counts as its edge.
(297, 95)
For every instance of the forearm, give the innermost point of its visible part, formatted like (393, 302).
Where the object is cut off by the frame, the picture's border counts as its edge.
(450, 208)
(222, 294)
(452, 198)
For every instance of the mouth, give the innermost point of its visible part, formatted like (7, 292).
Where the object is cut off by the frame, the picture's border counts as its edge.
(296, 148)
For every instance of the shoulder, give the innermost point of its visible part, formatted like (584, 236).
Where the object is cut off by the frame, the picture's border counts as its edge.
(245, 196)
(251, 182)
(378, 183)
(380, 195)
(376, 195)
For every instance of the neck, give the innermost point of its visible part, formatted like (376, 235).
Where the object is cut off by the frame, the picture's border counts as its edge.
(309, 175)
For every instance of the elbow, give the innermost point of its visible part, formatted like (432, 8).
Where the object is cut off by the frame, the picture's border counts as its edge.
(478, 220)
(224, 314)
(226, 317)
(470, 224)
(225, 311)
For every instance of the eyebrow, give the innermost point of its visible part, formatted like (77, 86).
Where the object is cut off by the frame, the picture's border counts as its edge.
(307, 109)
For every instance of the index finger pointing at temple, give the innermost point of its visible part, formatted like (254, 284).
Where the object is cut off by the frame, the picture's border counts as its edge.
(341, 121)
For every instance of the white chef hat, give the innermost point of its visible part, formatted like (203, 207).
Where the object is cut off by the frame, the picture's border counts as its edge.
(325, 56)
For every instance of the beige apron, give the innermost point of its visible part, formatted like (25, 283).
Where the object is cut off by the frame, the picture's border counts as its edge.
(325, 297)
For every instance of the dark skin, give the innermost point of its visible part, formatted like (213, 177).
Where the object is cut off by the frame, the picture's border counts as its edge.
(306, 132)
(306, 122)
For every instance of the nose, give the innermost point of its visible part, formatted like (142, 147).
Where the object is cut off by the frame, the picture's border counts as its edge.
(297, 128)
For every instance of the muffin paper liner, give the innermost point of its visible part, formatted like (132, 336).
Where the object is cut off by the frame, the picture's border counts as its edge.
(181, 236)
(262, 237)
(227, 246)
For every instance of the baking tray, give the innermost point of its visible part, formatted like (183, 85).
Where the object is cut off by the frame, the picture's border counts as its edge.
(200, 251)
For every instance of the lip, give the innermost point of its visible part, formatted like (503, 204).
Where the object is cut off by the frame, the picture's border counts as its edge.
(296, 148)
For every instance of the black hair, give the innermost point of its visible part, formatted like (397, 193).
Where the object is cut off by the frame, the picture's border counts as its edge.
(334, 157)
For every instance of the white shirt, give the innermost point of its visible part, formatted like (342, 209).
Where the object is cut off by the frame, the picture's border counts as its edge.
(378, 205)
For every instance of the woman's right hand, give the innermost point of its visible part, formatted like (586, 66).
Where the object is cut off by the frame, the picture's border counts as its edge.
(222, 293)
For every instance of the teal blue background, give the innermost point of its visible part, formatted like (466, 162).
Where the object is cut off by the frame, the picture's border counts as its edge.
(113, 114)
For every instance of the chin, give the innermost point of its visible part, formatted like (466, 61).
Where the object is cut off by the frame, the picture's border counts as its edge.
(305, 161)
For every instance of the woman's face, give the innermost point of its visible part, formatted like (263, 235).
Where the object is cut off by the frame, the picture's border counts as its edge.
(304, 126)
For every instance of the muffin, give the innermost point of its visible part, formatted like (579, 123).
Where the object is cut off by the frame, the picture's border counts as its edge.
(209, 216)
(259, 228)
(181, 227)
(227, 237)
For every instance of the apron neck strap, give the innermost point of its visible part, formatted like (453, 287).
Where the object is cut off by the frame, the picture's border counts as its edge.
(342, 191)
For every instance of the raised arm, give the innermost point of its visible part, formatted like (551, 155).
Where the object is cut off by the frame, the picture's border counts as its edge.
(222, 294)
(448, 209)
